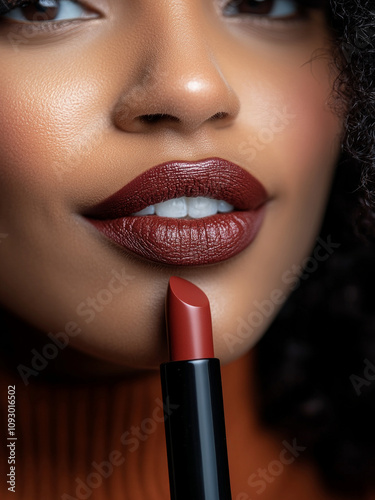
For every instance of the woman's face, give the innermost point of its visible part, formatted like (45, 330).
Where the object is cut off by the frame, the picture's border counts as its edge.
(217, 79)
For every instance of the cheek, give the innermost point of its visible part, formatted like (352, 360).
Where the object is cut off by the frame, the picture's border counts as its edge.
(311, 147)
(49, 115)
(316, 131)
(293, 146)
(43, 120)
(295, 135)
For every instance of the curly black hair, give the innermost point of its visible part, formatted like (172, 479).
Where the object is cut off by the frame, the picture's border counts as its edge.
(316, 364)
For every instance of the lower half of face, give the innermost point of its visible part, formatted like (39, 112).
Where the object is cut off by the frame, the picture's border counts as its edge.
(129, 89)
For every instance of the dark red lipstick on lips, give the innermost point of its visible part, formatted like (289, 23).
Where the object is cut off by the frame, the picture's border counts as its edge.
(184, 241)
(191, 385)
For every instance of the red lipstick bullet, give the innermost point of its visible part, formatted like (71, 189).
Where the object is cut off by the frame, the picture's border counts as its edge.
(191, 382)
(188, 321)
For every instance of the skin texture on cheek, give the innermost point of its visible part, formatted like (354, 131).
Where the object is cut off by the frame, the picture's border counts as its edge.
(74, 137)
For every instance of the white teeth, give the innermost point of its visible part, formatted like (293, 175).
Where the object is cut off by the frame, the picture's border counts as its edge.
(195, 208)
(176, 207)
(150, 210)
(201, 207)
(224, 207)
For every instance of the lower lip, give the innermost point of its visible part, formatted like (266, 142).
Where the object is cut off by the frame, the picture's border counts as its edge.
(184, 242)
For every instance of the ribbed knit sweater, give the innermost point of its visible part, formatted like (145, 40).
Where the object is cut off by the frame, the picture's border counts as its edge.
(106, 442)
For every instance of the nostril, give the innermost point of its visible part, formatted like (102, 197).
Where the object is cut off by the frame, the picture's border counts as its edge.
(219, 115)
(157, 117)
(154, 118)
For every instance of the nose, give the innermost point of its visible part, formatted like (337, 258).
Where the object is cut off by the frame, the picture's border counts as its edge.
(177, 82)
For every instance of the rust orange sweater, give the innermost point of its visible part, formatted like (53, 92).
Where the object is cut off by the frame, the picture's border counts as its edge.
(106, 442)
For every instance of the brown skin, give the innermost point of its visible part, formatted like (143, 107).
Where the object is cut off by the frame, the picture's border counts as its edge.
(70, 105)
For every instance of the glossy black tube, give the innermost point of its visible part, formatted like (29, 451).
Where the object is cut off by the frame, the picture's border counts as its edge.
(195, 430)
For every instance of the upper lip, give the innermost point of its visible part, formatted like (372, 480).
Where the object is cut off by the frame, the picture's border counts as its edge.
(212, 177)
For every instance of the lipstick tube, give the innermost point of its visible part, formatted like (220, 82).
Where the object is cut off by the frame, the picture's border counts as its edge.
(192, 394)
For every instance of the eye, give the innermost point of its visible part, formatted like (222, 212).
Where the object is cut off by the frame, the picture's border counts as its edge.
(274, 9)
(49, 10)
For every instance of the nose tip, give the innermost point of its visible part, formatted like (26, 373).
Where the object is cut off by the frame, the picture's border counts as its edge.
(179, 102)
